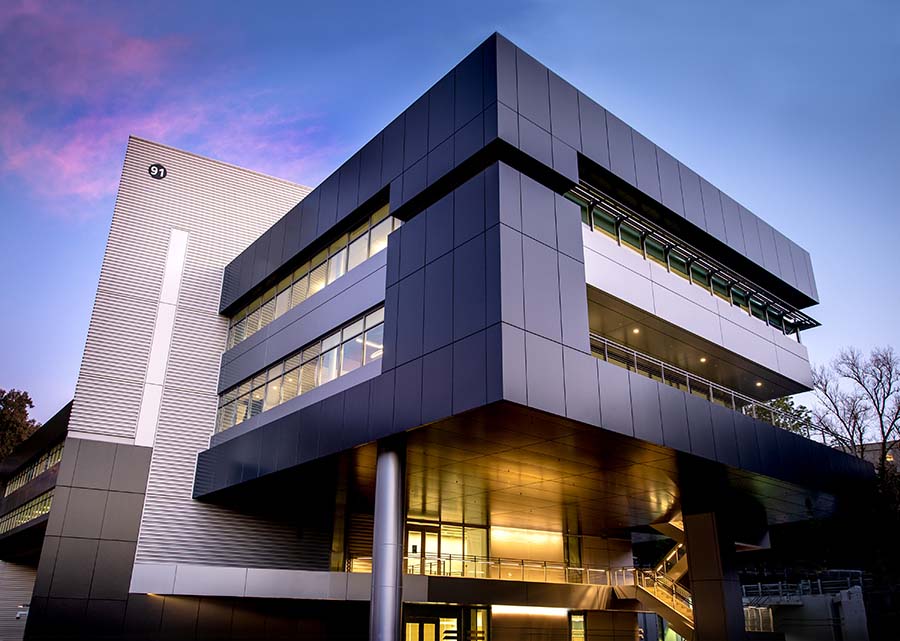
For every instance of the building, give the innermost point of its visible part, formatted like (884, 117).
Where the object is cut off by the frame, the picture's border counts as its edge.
(439, 395)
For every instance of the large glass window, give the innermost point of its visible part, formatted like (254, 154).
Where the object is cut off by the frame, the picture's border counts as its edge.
(357, 343)
(25, 513)
(343, 254)
(35, 469)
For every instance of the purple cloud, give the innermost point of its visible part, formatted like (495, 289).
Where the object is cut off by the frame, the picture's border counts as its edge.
(74, 85)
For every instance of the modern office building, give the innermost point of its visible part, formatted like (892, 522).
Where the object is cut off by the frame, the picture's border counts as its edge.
(438, 396)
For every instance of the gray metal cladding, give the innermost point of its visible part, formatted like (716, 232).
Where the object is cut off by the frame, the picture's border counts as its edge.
(442, 129)
(576, 122)
(500, 92)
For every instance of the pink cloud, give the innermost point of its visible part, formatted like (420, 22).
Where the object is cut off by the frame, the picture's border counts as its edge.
(73, 87)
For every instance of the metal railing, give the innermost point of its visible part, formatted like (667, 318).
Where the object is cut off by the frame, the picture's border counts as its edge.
(484, 567)
(805, 587)
(666, 590)
(671, 559)
(635, 361)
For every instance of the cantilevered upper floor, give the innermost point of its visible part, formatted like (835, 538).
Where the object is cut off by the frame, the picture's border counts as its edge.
(499, 95)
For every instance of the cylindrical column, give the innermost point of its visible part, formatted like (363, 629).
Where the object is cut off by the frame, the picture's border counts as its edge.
(387, 545)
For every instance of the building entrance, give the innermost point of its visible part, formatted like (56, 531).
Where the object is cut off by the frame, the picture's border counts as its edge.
(422, 549)
(432, 629)
(444, 623)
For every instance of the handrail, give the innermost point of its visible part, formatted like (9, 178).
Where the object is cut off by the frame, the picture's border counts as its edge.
(509, 569)
(632, 360)
(672, 558)
(801, 588)
(661, 586)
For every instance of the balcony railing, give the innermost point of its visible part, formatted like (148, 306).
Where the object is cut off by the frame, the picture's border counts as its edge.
(801, 588)
(507, 569)
(634, 361)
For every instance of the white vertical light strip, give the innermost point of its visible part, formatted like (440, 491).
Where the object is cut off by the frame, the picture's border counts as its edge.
(162, 339)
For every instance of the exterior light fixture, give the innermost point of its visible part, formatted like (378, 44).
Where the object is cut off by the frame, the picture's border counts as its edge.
(529, 610)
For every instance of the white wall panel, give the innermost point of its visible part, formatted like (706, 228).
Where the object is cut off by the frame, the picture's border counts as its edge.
(16, 586)
(220, 209)
(623, 273)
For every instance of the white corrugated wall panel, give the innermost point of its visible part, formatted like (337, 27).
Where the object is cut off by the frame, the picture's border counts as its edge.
(223, 209)
(16, 586)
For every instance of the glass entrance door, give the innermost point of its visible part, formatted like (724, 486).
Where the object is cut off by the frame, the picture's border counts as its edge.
(432, 629)
(422, 550)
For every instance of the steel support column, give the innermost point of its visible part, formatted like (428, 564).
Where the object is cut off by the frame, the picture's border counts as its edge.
(387, 544)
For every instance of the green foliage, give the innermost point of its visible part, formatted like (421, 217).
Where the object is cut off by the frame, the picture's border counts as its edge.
(793, 417)
(15, 426)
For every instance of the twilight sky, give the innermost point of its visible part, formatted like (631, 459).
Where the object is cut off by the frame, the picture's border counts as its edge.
(791, 107)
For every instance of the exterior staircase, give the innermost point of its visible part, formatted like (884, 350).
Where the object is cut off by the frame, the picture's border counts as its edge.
(659, 589)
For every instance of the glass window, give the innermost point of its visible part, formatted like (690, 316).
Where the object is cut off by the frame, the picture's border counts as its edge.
(358, 252)
(352, 354)
(576, 627)
(332, 341)
(655, 250)
(359, 231)
(226, 416)
(583, 206)
(283, 302)
(353, 329)
(328, 370)
(740, 298)
(374, 343)
(308, 376)
(375, 317)
(776, 319)
(266, 313)
(630, 236)
(240, 330)
(380, 215)
(678, 263)
(275, 371)
(721, 288)
(378, 237)
(312, 352)
(298, 290)
(256, 401)
(252, 323)
(337, 265)
(273, 393)
(700, 275)
(338, 245)
(259, 379)
(758, 309)
(343, 351)
(317, 278)
(241, 408)
(290, 385)
(604, 221)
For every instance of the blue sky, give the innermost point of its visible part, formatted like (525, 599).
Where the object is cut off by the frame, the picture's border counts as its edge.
(790, 107)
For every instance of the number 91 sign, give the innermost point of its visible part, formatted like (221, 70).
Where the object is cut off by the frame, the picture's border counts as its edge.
(157, 171)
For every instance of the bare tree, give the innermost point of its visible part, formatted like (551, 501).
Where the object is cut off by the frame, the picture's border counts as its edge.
(859, 401)
(877, 377)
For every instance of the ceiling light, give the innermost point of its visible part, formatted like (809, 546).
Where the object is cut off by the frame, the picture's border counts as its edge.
(759, 383)
(702, 359)
(636, 330)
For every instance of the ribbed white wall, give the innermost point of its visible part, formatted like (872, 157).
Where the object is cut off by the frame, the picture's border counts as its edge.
(17, 582)
(223, 209)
